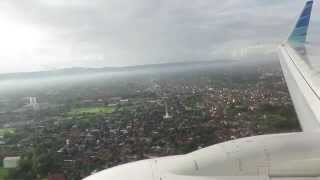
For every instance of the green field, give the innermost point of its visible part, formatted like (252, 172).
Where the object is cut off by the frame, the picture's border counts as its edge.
(3, 173)
(92, 110)
(7, 130)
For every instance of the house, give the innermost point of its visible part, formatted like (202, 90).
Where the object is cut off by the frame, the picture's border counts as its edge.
(11, 162)
(56, 177)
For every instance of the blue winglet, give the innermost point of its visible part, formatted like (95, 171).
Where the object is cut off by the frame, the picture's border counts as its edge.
(299, 34)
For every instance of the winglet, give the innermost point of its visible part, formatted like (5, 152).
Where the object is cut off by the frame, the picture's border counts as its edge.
(299, 34)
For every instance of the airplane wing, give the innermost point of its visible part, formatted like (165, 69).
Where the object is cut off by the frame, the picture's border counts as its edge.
(293, 156)
(301, 72)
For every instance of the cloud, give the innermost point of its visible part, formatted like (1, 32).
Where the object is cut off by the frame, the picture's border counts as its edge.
(124, 32)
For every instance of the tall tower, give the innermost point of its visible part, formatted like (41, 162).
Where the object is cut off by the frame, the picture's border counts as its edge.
(33, 103)
(166, 116)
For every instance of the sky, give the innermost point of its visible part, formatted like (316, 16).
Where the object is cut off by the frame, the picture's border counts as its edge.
(40, 35)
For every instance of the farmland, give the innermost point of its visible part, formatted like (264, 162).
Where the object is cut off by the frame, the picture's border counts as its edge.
(91, 110)
(7, 130)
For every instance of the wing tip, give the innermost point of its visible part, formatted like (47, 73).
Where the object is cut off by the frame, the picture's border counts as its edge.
(300, 31)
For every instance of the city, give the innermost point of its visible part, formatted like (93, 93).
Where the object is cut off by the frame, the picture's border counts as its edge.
(72, 130)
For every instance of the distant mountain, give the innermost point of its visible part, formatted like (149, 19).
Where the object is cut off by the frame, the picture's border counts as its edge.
(80, 70)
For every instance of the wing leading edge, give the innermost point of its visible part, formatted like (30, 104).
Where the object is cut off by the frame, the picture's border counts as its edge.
(300, 78)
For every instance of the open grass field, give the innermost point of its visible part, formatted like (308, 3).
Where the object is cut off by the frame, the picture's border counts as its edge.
(3, 173)
(7, 130)
(92, 110)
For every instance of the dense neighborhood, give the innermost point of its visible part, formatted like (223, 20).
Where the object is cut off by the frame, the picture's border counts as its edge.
(72, 131)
